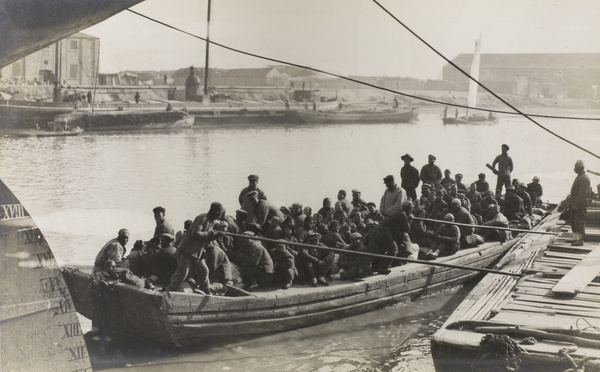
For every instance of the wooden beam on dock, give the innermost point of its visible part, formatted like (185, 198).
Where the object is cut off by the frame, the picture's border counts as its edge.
(579, 276)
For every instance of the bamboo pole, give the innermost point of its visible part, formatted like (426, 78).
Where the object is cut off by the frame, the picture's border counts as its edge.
(487, 227)
(374, 255)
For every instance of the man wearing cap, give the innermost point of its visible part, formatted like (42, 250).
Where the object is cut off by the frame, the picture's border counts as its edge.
(243, 198)
(535, 191)
(256, 265)
(113, 250)
(431, 173)
(358, 203)
(524, 195)
(505, 168)
(191, 247)
(392, 198)
(577, 202)
(297, 213)
(495, 218)
(162, 225)
(373, 213)
(513, 207)
(313, 263)
(350, 263)
(481, 184)
(285, 264)
(447, 181)
(410, 177)
(219, 267)
(459, 184)
(446, 240)
(468, 238)
(262, 210)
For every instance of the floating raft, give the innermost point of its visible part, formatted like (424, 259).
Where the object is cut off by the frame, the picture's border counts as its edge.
(191, 320)
(552, 312)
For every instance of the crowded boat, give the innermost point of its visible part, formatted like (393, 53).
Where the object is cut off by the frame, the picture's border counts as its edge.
(269, 247)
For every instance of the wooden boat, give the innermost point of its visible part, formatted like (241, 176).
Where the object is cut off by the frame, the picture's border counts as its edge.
(40, 328)
(189, 320)
(551, 314)
(359, 116)
(127, 120)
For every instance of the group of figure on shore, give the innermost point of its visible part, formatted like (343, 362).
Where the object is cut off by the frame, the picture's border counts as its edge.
(271, 246)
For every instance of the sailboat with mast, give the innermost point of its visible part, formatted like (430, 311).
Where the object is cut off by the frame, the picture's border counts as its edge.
(472, 95)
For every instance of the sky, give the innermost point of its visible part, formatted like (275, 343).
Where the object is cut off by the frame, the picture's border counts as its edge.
(348, 37)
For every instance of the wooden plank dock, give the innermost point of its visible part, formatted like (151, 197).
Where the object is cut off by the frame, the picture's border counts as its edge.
(552, 312)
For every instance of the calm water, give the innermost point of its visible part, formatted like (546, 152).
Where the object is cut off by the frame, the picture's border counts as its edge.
(82, 190)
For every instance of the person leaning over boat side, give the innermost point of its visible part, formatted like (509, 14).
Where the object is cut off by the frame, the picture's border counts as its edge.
(577, 202)
(447, 181)
(468, 238)
(446, 240)
(162, 225)
(384, 240)
(481, 184)
(191, 247)
(392, 198)
(535, 191)
(284, 263)
(505, 168)
(410, 177)
(254, 261)
(431, 173)
(113, 250)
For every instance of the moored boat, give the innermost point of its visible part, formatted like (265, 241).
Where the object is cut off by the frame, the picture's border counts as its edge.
(548, 320)
(68, 132)
(190, 320)
(126, 120)
(360, 116)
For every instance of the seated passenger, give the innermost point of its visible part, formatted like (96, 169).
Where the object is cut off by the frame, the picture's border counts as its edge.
(468, 238)
(420, 233)
(255, 263)
(137, 262)
(351, 265)
(496, 219)
(535, 191)
(165, 259)
(219, 267)
(113, 250)
(513, 207)
(285, 266)
(333, 238)
(312, 263)
(446, 240)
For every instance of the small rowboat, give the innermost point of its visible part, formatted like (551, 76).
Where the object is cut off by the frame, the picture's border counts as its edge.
(359, 116)
(548, 320)
(189, 320)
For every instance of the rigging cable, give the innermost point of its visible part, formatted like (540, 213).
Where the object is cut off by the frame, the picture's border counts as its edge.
(528, 117)
(419, 98)
(516, 111)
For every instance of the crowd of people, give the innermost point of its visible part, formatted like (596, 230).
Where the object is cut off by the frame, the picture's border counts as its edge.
(268, 246)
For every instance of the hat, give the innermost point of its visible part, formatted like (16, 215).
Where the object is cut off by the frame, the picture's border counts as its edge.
(426, 186)
(123, 232)
(431, 157)
(297, 205)
(481, 175)
(313, 236)
(579, 164)
(167, 236)
(254, 227)
(371, 203)
(224, 223)
(253, 177)
(158, 209)
(355, 235)
(187, 224)
(388, 178)
(459, 175)
(521, 184)
(241, 212)
(139, 244)
(510, 188)
(505, 145)
(216, 208)
(372, 223)
(284, 210)
(449, 217)
(407, 157)
(536, 178)
(356, 191)
(456, 202)
(252, 194)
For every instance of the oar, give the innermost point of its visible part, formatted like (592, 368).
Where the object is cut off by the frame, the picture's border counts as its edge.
(487, 227)
(431, 263)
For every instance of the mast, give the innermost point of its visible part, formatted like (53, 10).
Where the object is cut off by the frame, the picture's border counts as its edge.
(472, 97)
(207, 44)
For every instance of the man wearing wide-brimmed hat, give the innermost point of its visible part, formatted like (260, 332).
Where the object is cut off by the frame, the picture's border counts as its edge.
(191, 247)
(410, 177)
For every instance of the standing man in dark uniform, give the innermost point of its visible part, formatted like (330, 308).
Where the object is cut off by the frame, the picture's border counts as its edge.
(245, 201)
(505, 167)
(577, 201)
(410, 177)
(431, 173)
